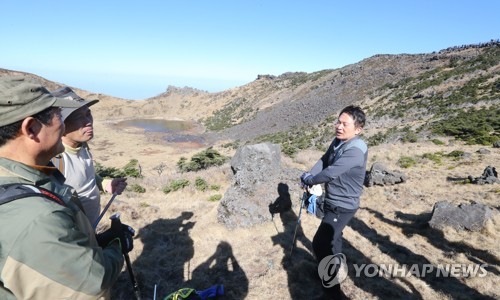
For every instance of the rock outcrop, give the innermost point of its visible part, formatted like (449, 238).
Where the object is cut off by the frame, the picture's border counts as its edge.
(472, 217)
(489, 176)
(258, 180)
(380, 175)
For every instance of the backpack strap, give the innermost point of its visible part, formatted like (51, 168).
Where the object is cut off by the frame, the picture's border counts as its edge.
(13, 191)
(58, 162)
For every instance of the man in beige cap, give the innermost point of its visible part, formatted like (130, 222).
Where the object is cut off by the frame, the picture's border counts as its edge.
(48, 247)
(76, 163)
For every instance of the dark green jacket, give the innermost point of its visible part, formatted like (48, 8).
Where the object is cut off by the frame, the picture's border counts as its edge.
(49, 250)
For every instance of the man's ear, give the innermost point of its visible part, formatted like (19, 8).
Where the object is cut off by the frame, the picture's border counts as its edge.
(31, 128)
(358, 130)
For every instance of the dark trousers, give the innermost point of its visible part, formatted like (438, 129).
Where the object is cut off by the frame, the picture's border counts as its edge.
(328, 238)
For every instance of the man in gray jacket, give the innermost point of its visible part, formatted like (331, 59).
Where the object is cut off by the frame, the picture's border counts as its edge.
(342, 170)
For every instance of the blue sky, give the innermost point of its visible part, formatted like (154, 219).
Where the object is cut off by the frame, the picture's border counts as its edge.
(135, 49)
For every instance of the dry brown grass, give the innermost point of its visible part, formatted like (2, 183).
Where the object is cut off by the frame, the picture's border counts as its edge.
(180, 244)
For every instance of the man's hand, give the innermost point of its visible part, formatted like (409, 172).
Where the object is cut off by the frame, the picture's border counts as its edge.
(124, 234)
(305, 178)
(116, 186)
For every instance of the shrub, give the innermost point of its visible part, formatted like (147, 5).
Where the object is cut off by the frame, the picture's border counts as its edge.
(202, 160)
(377, 139)
(474, 127)
(456, 154)
(201, 184)
(227, 116)
(406, 162)
(181, 164)
(167, 189)
(438, 142)
(106, 172)
(435, 157)
(293, 140)
(179, 184)
(215, 187)
(137, 188)
(133, 169)
(215, 197)
(233, 145)
(289, 150)
(410, 137)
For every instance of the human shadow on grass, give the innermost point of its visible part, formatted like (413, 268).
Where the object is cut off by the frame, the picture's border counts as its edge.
(450, 286)
(419, 224)
(283, 206)
(378, 286)
(221, 268)
(167, 250)
(299, 263)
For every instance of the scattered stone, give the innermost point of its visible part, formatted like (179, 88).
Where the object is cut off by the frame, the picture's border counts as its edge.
(260, 187)
(379, 175)
(483, 151)
(496, 144)
(471, 217)
(489, 176)
(466, 155)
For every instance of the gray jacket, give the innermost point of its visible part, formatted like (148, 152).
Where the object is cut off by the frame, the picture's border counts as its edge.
(342, 169)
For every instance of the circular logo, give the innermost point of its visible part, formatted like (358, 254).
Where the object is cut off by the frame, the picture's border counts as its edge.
(332, 270)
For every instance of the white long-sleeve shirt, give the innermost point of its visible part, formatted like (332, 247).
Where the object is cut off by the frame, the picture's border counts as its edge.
(80, 174)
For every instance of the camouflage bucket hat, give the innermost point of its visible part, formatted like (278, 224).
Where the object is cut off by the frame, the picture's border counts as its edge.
(21, 98)
(69, 94)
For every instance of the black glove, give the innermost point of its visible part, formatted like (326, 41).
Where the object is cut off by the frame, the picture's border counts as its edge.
(305, 177)
(122, 233)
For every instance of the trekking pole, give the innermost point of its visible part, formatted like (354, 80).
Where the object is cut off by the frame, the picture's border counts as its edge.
(304, 196)
(104, 211)
(272, 218)
(115, 222)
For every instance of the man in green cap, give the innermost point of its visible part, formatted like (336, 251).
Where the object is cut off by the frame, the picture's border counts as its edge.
(48, 249)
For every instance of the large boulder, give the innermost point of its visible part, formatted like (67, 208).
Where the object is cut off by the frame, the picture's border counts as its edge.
(472, 217)
(258, 181)
(380, 175)
(256, 164)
